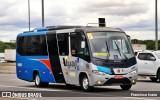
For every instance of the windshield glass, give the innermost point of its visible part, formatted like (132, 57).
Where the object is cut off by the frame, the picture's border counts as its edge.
(110, 45)
(157, 54)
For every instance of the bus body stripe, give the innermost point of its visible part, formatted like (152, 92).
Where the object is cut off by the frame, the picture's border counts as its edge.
(47, 63)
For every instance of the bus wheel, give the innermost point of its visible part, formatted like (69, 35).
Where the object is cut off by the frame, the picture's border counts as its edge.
(84, 83)
(125, 87)
(38, 82)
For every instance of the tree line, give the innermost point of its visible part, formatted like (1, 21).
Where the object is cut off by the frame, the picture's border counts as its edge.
(7, 45)
(149, 43)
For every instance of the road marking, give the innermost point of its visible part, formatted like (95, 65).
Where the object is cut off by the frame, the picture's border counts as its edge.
(138, 98)
(32, 88)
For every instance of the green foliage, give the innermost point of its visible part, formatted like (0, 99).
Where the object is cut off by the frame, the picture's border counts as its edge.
(7, 45)
(149, 43)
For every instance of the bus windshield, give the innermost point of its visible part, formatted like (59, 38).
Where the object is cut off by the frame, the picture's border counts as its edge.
(110, 45)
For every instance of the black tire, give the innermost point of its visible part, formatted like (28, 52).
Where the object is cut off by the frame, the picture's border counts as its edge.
(84, 83)
(38, 82)
(153, 79)
(125, 87)
(158, 75)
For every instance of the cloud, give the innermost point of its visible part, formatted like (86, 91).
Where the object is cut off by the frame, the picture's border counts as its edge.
(143, 25)
(142, 35)
(130, 15)
(115, 7)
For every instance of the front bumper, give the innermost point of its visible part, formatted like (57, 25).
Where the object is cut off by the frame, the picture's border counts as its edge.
(98, 80)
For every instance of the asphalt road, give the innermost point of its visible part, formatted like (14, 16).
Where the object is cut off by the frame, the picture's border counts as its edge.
(10, 83)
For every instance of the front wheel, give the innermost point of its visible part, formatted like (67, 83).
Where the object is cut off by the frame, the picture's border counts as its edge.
(84, 83)
(38, 82)
(125, 87)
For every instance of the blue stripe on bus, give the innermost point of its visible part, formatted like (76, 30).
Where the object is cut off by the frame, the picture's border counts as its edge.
(104, 69)
(32, 33)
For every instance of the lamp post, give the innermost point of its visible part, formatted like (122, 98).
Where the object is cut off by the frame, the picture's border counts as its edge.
(42, 13)
(156, 26)
(29, 14)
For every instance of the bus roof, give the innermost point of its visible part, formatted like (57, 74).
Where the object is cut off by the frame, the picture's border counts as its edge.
(43, 30)
(87, 28)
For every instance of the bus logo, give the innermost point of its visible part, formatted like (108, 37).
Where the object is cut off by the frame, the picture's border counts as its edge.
(70, 63)
(118, 71)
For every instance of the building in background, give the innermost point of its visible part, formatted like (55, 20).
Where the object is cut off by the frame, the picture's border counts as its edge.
(139, 47)
(1, 54)
(10, 55)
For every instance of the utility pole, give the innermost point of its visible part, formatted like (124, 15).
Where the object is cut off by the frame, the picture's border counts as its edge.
(29, 14)
(156, 26)
(42, 13)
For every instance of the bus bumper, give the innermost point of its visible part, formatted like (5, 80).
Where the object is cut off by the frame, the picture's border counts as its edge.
(97, 80)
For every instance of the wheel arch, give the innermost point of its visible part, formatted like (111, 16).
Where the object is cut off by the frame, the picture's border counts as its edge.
(34, 73)
(82, 74)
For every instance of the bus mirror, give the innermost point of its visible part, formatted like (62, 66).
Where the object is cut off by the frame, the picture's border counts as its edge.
(83, 44)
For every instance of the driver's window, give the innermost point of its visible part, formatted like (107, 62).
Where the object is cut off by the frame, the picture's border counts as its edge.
(76, 50)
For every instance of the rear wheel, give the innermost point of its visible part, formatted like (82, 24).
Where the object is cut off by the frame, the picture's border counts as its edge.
(125, 87)
(153, 79)
(84, 83)
(38, 82)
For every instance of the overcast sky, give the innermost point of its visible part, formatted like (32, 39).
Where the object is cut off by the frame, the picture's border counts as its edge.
(135, 17)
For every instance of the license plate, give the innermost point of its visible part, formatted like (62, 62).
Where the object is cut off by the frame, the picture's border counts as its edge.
(118, 76)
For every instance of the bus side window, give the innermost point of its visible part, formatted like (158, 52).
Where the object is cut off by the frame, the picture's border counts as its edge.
(21, 44)
(33, 45)
(43, 45)
(63, 44)
(76, 50)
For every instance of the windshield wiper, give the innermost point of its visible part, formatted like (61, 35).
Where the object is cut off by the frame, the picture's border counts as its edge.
(107, 49)
(119, 50)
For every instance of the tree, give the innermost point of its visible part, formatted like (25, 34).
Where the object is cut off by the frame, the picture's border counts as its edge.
(7, 45)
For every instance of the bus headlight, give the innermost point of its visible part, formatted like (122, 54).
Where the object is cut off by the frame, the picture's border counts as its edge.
(98, 72)
(134, 72)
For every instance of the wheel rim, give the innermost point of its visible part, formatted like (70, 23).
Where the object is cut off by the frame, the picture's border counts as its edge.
(85, 83)
(37, 80)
